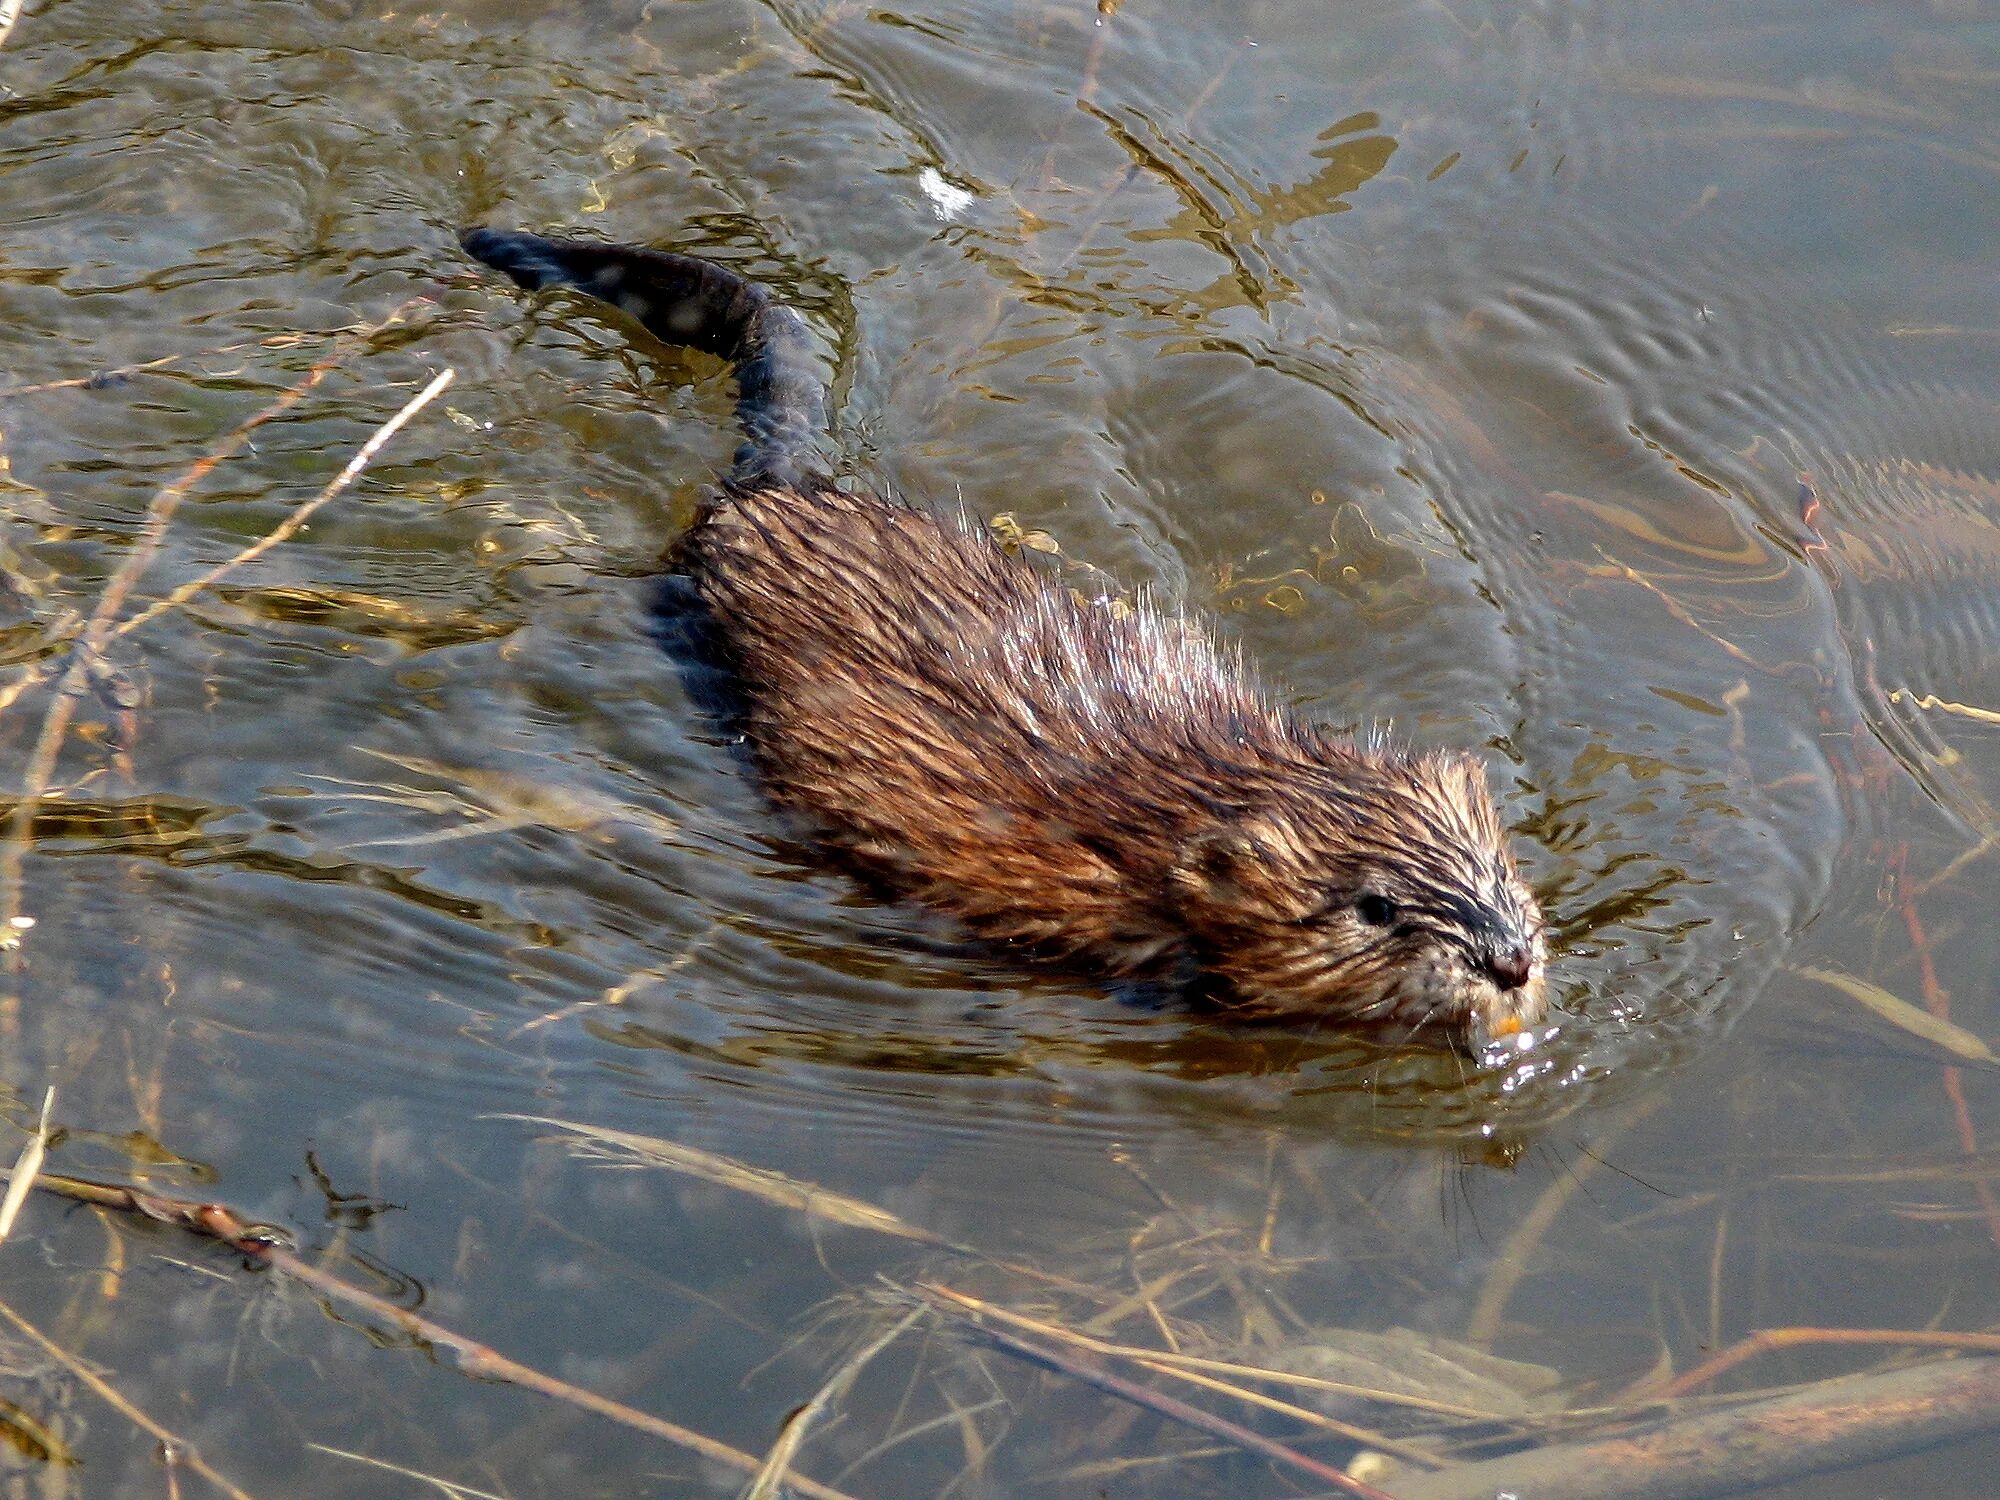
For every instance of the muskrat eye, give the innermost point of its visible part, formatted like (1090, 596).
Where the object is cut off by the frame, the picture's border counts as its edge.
(1376, 911)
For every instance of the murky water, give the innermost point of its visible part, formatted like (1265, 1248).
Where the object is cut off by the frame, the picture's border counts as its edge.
(1608, 389)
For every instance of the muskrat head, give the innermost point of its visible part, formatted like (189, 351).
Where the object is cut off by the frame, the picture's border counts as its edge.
(1380, 894)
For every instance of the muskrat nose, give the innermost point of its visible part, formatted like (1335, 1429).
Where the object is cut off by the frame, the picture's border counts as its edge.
(1511, 969)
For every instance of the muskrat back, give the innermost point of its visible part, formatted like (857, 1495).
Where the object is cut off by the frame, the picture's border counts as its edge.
(1093, 784)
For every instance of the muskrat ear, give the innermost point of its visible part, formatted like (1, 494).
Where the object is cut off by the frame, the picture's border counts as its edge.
(1219, 862)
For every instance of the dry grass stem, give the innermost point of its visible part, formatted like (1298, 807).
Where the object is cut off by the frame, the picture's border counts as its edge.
(1159, 1402)
(1978, 851)
(758, 1182)
(446, 1487)
(1176, 1363)
(21, 1181)
(216, 1222)
(100, 378)
(1616, 569)
(1937, 1001)
(1953, 1038)
(290, 526)
(98, 629)
(899, 1437)
(1517, 1255)
(772, 1478)
(1717, 1260)
(168, 500)
(1936, 704)
(1854, 102)
(110, 1396)
(1409, 1452)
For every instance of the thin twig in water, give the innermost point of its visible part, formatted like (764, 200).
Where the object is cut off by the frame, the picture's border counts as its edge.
(100, 378)
(289, 527)
(1202, 1372)
(1517, 1255)
(772, 1478)
(97, 630)
(1986, 845)
(1764, 1340)
(22, 1179)
(217, 1222)
(450, 1487)
(109, 1395)
(759, 1182)
(897, 1438)
(1938, 1002)
(1156, 1401)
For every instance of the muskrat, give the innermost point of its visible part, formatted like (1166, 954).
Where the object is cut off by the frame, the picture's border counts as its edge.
(1097, 785)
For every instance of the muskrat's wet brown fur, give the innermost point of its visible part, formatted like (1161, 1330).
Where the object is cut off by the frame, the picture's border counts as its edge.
(1081, 781)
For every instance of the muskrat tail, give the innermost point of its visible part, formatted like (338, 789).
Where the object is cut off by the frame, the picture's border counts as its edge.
(780, 400)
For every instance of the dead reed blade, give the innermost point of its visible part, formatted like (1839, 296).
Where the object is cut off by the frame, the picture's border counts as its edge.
(594, 1141)
(99, 378)
(448, 1487)
(759, 1182)
(290, 526)
(975, 1328)
(955, 1416)
(1897, 1011)
(98, 630)
(21, 1181)
(217, 1222)
(1518, 1254)
(1204, 1373)
(771, 1479)
(10, 12)
(110, 1396)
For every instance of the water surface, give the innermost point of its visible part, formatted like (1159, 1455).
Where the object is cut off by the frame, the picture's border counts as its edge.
(1608, 391)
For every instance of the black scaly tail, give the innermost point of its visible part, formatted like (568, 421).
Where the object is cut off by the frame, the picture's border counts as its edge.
(780, 400)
